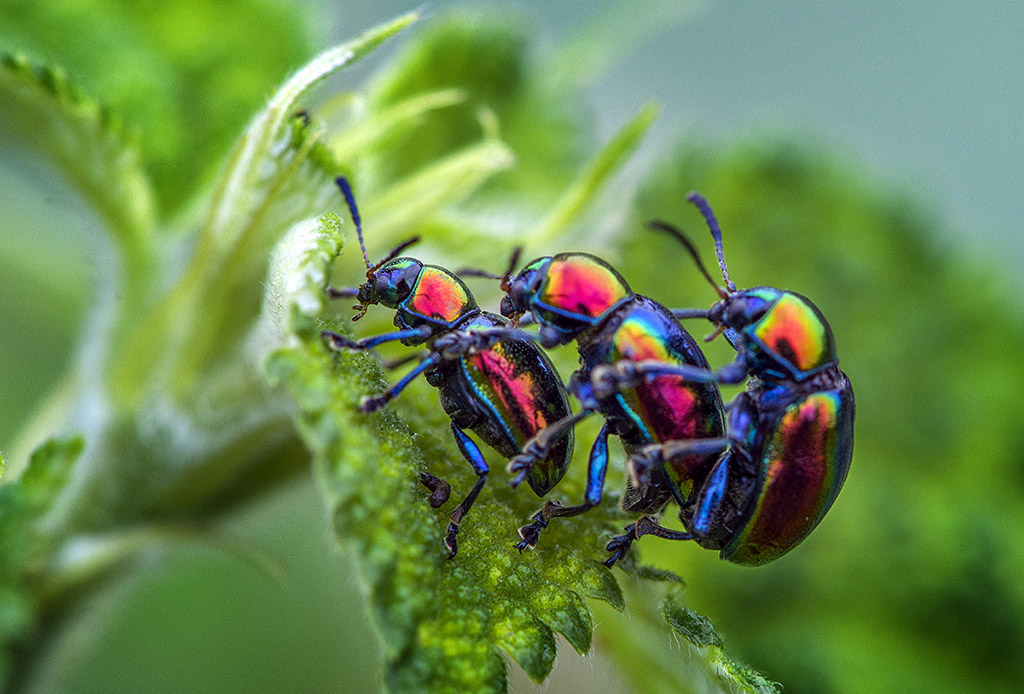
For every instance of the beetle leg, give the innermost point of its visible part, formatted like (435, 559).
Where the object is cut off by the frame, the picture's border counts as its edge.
(439, 489)
(402, 361)
(372, 404)
(538, 447)
(686, 313)
(645, 525)
(592, 497)
(710, 496)
(730, 373)
(619, 545)
(471, 452)
(338, 341)
(342, 292)
(655, 455)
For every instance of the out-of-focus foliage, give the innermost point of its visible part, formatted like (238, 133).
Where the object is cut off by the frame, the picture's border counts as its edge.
(25, 550)
(171, 70)
(492, 61)
(476, 140)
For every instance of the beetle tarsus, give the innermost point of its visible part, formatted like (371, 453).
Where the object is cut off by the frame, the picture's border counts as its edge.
(338, 341)
(451, 541)
(619, 545)
(520, 466)
(531, 532)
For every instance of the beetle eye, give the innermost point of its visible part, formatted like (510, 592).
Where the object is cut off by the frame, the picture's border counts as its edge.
(515, 300)
(507, 307)
(716, 314)
(735, 312)
(744, 311)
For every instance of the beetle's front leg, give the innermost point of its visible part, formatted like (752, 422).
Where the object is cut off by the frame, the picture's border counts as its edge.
(368, 404)
(338, 341)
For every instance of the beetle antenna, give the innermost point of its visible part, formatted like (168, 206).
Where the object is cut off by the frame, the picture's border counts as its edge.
(506, 278)
(477, 272)
(506, 281)
(394, 253)
(678, 235)
(353, 210)
(716, 233)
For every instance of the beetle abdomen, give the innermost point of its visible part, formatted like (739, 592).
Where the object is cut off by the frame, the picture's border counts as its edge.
(668, 408)
(522, 393)
(805, 459)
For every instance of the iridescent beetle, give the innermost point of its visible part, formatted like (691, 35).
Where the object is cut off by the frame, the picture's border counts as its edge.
(577, 296)
(493, 379)
(790, 435)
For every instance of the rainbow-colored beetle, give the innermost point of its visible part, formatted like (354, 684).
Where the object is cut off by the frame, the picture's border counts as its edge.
(577, 296)
(790, 435)
(493, 379)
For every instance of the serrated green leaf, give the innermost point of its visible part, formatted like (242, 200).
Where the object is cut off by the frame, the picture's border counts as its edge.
(699, 632)
(443, 623)
(695, 628)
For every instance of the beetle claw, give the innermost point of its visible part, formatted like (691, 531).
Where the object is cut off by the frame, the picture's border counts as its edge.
(520, 466)
(451, 541)
(619, 545)
(531, 533)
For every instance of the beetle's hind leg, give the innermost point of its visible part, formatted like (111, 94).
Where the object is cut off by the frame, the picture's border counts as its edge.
(645, 525)
(592, 497)
(552, 509)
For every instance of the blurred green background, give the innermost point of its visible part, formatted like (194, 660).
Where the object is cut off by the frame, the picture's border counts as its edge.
(854, 121)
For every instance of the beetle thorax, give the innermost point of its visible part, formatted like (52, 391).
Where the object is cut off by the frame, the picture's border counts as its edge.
(438, 296)
(583, 285)
(784, 332)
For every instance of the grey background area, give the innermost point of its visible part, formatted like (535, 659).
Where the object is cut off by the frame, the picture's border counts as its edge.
(926, 95)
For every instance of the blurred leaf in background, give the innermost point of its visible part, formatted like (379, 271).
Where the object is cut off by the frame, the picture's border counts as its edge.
(170, 70)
